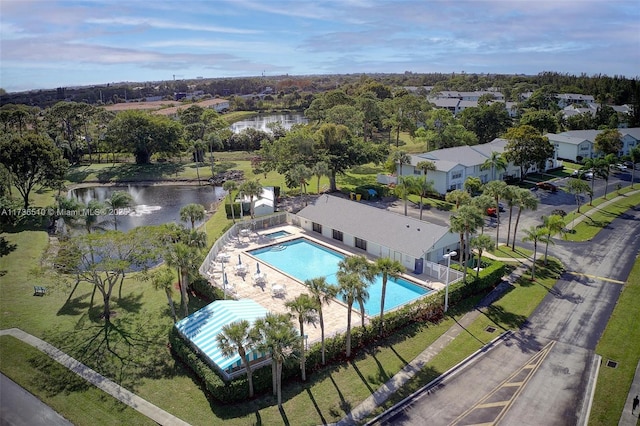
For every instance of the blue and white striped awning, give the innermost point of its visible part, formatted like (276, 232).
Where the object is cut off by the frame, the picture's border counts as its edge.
(202, 327)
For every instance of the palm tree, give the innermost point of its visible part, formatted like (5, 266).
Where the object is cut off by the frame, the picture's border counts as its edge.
(465, 222)
(600, 168)
(493, 163)
(481, 243)
(496, 189)
(239, 337)
(162, 279)
(525, 200)
(184, 258)
(320, 169)
(555, 225)
(457, 197)
(535, 234)
(278, 337)
(366, 271)
(578, 187)
(415, 185)
(425, 167)
(119, 200)
(323, 293)
(92, 213)
(510, 196)
(231, 186)
(402, 190)
(300, 175)
(388, 268)
(251, 189)
(304, 308)
(192, 213)
(634, 155)
(348, 290)
(401, 157)
(472, 185)
(482, 202)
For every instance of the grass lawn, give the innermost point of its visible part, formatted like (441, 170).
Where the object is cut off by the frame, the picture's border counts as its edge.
(505, 251)
(590, 226)
(620, 342)
(62, 390)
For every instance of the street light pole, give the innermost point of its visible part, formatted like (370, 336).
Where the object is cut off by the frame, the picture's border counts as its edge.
(446, 288)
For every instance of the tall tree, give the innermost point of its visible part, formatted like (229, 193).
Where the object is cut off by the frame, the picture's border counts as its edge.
(299, 175)
(524, 200)
(482, 202)
(102, 258)
(426, 167)
(31, 161)
(304, 308)
(402, 190)
(144, 134)
(322, 292)
(318, 170)
(348, 285)
(465, 222)
(577, 187)
(481, 243)
(494, 163)
(117, 202)
(496, 190)
(535, 234)
(230, 186)
(278, 337)
(511, 197)
(420, 187)
(458, 197)
(162, 279)
(192, 213)
(526, 147)
(634, 155)
(401, 158)
(253, 190)
(608, 141)
(366, 272)
(387, 268)
(239, 337)
(555, 225)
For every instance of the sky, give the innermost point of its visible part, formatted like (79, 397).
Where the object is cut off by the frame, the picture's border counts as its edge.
(49, 43)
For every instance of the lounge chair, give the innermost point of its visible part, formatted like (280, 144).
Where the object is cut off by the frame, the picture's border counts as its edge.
(39, 291)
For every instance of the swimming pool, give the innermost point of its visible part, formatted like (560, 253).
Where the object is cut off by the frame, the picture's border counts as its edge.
(303, 260)
(277, 234)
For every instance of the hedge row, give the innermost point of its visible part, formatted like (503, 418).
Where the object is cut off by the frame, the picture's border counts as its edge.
(206, 291)
(427, 310)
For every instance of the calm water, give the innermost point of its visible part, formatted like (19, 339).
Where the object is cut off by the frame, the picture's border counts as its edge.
(153, 205)
(260, 122)
(305, 260)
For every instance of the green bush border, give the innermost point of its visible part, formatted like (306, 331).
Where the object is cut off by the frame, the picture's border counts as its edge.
(429, 309)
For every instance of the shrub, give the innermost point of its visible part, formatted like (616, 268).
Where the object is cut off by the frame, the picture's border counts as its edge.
(206, 291)
(236, 209)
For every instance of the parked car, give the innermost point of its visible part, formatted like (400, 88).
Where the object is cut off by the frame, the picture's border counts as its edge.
(582, 174)
(491, 211)
(629, 164)
(620, 167)
(548, 186)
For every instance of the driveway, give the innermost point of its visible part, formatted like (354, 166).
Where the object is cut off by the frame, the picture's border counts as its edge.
(544, 372)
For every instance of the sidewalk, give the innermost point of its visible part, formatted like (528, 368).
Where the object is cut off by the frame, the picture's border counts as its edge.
(412, 368)
(627, 418)
(597, 208)
(143, 406)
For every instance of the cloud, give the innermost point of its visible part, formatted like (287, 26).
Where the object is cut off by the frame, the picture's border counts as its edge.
(166, 25)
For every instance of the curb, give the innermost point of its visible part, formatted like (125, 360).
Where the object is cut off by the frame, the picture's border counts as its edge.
(426, 389)
(591, 390)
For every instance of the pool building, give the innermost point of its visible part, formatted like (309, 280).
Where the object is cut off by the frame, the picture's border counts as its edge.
(417, 244)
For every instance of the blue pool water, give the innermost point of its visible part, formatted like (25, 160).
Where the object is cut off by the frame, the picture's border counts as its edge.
(278, 234)
(303, 260)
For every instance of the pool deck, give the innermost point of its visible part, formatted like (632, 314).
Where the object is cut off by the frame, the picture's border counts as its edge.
(335, 313)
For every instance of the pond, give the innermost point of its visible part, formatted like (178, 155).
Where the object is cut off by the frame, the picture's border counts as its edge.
(153, 205)
(259, 122)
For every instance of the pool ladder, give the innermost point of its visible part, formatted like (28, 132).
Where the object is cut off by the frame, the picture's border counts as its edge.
(278, 248)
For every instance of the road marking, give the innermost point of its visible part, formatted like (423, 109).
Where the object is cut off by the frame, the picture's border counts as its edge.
(595, 277)
(515, 382)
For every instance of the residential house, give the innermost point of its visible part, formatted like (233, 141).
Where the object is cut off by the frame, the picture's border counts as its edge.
(455, 165)
(576, 145)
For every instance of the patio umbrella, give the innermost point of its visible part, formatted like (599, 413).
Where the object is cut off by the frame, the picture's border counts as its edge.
(257, 267)
(239, 260)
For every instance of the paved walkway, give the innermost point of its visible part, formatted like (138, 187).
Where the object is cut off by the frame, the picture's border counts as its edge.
(629, 418)
(141, 405)
(412, 368)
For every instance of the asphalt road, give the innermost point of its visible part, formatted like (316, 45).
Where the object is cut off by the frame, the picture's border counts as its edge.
(541, 375)
(20, 408)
